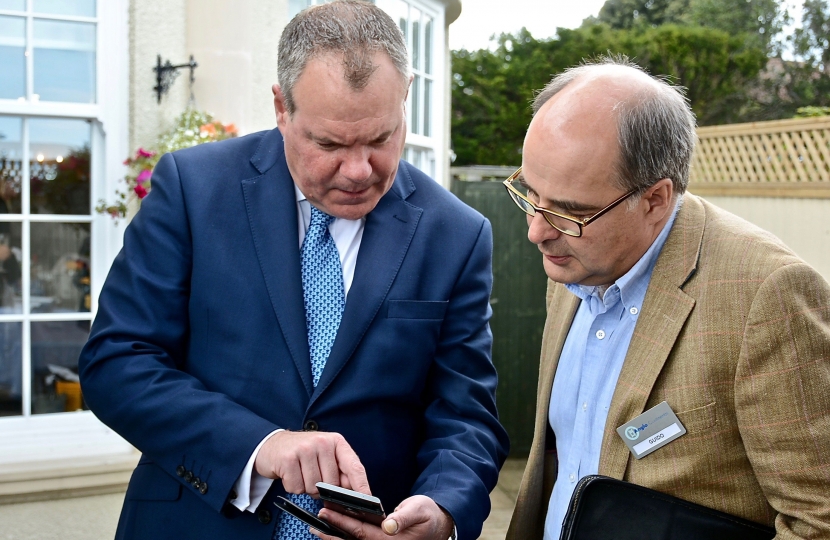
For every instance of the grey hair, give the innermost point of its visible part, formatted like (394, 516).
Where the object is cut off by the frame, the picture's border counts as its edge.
(353, 28)
(655, 128)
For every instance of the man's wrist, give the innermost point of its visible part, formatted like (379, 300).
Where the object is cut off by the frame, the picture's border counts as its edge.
(454, 531)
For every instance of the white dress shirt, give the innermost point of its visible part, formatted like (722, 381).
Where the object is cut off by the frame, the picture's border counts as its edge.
(347, 234)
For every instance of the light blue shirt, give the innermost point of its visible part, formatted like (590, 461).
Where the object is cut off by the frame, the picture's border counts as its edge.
(587, 374)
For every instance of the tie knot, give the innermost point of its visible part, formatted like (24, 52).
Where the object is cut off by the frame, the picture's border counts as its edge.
(320, 218)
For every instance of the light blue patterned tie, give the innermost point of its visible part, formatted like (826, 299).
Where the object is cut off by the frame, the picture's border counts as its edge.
(325, 300)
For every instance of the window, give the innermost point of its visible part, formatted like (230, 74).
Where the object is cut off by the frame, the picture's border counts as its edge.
(47, 50)
(419, 29)
(49, 142)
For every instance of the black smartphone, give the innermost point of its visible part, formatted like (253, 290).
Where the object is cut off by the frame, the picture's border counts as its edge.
(352, 503)
(309, 519)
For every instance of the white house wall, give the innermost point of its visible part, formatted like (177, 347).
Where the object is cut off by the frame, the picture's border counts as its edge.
(235, 44)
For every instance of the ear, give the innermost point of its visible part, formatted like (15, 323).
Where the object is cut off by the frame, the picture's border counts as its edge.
(279, 106)
(408, 86)
(658, 199)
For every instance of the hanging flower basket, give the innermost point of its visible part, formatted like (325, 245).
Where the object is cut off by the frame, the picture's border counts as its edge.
(192, 127)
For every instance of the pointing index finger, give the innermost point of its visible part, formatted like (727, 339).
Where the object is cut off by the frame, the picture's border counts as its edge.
(351, 467)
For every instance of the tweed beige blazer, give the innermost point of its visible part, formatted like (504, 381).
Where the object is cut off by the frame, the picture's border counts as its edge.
(734, 334)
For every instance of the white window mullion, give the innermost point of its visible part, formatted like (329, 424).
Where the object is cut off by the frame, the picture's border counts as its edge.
(26, 272)
(30, 62)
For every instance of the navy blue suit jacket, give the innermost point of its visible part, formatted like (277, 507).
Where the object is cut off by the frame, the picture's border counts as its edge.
(199, 347)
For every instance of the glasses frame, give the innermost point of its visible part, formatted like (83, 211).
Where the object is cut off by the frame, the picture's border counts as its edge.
(580, 222)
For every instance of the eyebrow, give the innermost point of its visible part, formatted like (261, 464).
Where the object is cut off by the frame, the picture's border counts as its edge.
(325, 140)
(564, 205)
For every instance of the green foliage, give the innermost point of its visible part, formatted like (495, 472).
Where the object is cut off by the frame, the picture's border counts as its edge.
(758, 20)
(491, 91)
(624, 14)
(812, 112)
(812, 41)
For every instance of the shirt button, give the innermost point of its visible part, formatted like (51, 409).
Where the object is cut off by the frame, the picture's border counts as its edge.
(572, 477)
(600, 334)
(585, 406)
(634, 311)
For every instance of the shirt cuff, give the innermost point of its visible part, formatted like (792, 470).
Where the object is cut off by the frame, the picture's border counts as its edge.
(251, 486)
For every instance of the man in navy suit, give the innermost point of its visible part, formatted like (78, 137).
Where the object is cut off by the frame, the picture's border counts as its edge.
(199, 353)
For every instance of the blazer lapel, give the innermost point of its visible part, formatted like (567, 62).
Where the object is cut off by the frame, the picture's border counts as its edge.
(387, 234)
(272, 215)
(664, 312)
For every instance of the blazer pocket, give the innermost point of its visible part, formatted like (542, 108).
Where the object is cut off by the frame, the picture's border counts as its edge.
(416, 309)
(699, 418)
(150, 483)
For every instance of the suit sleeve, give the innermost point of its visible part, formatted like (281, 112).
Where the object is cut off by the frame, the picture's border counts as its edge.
(133, 370)
(465, 445)
(782, 399)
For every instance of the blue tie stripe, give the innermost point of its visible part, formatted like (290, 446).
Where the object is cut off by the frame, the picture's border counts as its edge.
(325, 299)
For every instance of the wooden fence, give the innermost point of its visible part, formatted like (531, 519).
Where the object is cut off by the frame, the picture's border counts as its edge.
(781, 158)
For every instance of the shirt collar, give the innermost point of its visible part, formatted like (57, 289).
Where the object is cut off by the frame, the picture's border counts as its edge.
(631, 287)
(298, 194)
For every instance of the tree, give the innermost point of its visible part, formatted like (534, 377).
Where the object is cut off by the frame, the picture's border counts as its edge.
(760, 20)
(624, 14)
(492, 90)
(812, 41)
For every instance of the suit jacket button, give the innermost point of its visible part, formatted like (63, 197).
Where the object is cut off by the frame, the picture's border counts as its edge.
(180, 470)
(264, 516)
(203, 488)
(196, 482)
(188, 476)
(311, 425)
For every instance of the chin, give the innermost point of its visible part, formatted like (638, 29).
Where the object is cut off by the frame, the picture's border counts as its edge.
(560, 274)
(351, 211)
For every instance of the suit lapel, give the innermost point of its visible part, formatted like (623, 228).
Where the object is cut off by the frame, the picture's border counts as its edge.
(664, 312)
(272, 215)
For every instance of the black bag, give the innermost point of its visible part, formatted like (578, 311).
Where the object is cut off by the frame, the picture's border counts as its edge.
(603, 508)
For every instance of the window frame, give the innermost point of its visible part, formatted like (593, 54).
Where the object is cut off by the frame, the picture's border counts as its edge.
(22, 436)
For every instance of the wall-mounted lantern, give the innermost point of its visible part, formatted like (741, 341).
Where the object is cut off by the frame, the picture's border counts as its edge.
(166, 75)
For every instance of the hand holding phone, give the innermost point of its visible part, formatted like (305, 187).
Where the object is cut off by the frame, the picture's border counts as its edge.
(352, 503)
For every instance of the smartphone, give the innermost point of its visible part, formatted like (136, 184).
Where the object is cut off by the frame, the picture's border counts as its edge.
(309, 519)
(352, 503)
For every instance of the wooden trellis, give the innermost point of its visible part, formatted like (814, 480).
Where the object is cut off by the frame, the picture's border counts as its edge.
(782, 158)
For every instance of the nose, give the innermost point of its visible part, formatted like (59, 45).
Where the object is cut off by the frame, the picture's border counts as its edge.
(356, 165)
(539, 230)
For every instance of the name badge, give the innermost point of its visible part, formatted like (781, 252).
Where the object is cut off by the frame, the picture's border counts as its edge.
(651, 430)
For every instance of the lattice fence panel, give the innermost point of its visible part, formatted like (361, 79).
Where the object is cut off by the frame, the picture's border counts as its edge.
(779, 158)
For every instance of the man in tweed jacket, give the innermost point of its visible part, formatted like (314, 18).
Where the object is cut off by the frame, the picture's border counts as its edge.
(729, 326)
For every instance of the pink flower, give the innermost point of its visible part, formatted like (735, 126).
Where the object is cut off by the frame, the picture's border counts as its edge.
(140, 191)
(143, 176)
(144, 153)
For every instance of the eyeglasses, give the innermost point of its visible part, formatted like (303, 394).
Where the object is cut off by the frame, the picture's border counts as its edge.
(570, 225)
